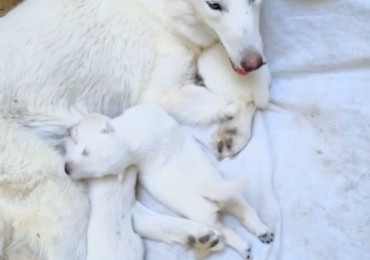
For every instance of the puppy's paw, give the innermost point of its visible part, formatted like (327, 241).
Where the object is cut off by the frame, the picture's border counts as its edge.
(246, 254)
(267, 238)
(205, 243)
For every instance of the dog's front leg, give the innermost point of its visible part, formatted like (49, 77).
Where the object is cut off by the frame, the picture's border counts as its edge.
(172, 86)
(230, 137)
(196, 105)
(168, 229)
(261, 87)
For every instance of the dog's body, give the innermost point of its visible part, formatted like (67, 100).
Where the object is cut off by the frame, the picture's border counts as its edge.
(110, 232)
(63, 59)
(172, 167)
(30, 194)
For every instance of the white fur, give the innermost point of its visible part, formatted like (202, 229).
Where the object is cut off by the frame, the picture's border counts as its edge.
(63, 59)
(252, 91)
(172, 167)
(31, 192)
(110, 233)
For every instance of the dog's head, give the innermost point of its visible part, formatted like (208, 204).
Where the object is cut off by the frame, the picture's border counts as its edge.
(91, 148)
(235, 24)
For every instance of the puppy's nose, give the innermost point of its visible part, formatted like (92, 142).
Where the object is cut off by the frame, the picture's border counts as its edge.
(252, 61)
(68, 168)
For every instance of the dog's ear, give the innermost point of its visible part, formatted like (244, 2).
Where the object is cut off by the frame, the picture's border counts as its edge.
(107, 129)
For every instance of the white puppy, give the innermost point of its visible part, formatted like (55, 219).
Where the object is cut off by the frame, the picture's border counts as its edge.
(252, 91)
(172, 168)
(110, 231)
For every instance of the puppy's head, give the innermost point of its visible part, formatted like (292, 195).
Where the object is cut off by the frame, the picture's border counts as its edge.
(91, 148)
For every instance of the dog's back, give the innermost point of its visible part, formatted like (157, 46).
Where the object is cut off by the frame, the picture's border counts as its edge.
(110, 234)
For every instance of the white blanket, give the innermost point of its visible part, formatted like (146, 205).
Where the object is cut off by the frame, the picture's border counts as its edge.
(308, 162)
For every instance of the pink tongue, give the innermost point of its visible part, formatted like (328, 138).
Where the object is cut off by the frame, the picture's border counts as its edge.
(238, 70)
(241, 71)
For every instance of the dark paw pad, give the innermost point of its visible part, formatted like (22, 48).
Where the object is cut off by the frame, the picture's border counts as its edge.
(204, 239)
(214, 243)
(192, 241)
(267, 238)
(206, 242)
(220, 146)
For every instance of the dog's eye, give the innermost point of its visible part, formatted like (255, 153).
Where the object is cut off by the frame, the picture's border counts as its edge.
(214, 6)
(85, 152)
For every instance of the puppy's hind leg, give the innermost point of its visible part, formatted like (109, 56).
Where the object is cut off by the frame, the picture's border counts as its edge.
(247, 215)
(235, 241)
(168, 229)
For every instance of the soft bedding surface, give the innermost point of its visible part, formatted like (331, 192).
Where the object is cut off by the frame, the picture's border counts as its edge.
(308, 163)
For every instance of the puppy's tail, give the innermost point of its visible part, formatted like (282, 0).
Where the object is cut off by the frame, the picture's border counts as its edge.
(225, 190)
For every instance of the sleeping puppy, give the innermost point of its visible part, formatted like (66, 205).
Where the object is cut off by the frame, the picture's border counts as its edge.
(172, 168)
(252, 91)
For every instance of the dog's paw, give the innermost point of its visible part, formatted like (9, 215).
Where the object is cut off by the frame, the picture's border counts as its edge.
(229, 140)
(230, 110)
(267, 238)
(205, 243)
(233, 135)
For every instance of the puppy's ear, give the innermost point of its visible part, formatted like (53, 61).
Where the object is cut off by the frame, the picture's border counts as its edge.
(68, 132)
(107, 129)
(71, 131)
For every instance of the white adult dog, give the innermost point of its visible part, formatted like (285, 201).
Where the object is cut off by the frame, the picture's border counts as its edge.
(172, 167)
(62, 59)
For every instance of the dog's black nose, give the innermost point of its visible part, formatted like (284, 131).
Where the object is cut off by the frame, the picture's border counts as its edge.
(67, 168)
(252, 61)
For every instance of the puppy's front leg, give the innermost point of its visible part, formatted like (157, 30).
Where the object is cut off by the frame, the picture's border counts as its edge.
(168, 229)
(235, 241)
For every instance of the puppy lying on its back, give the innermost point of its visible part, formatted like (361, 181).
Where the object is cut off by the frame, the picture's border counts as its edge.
(172, 168)
(252, 91)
